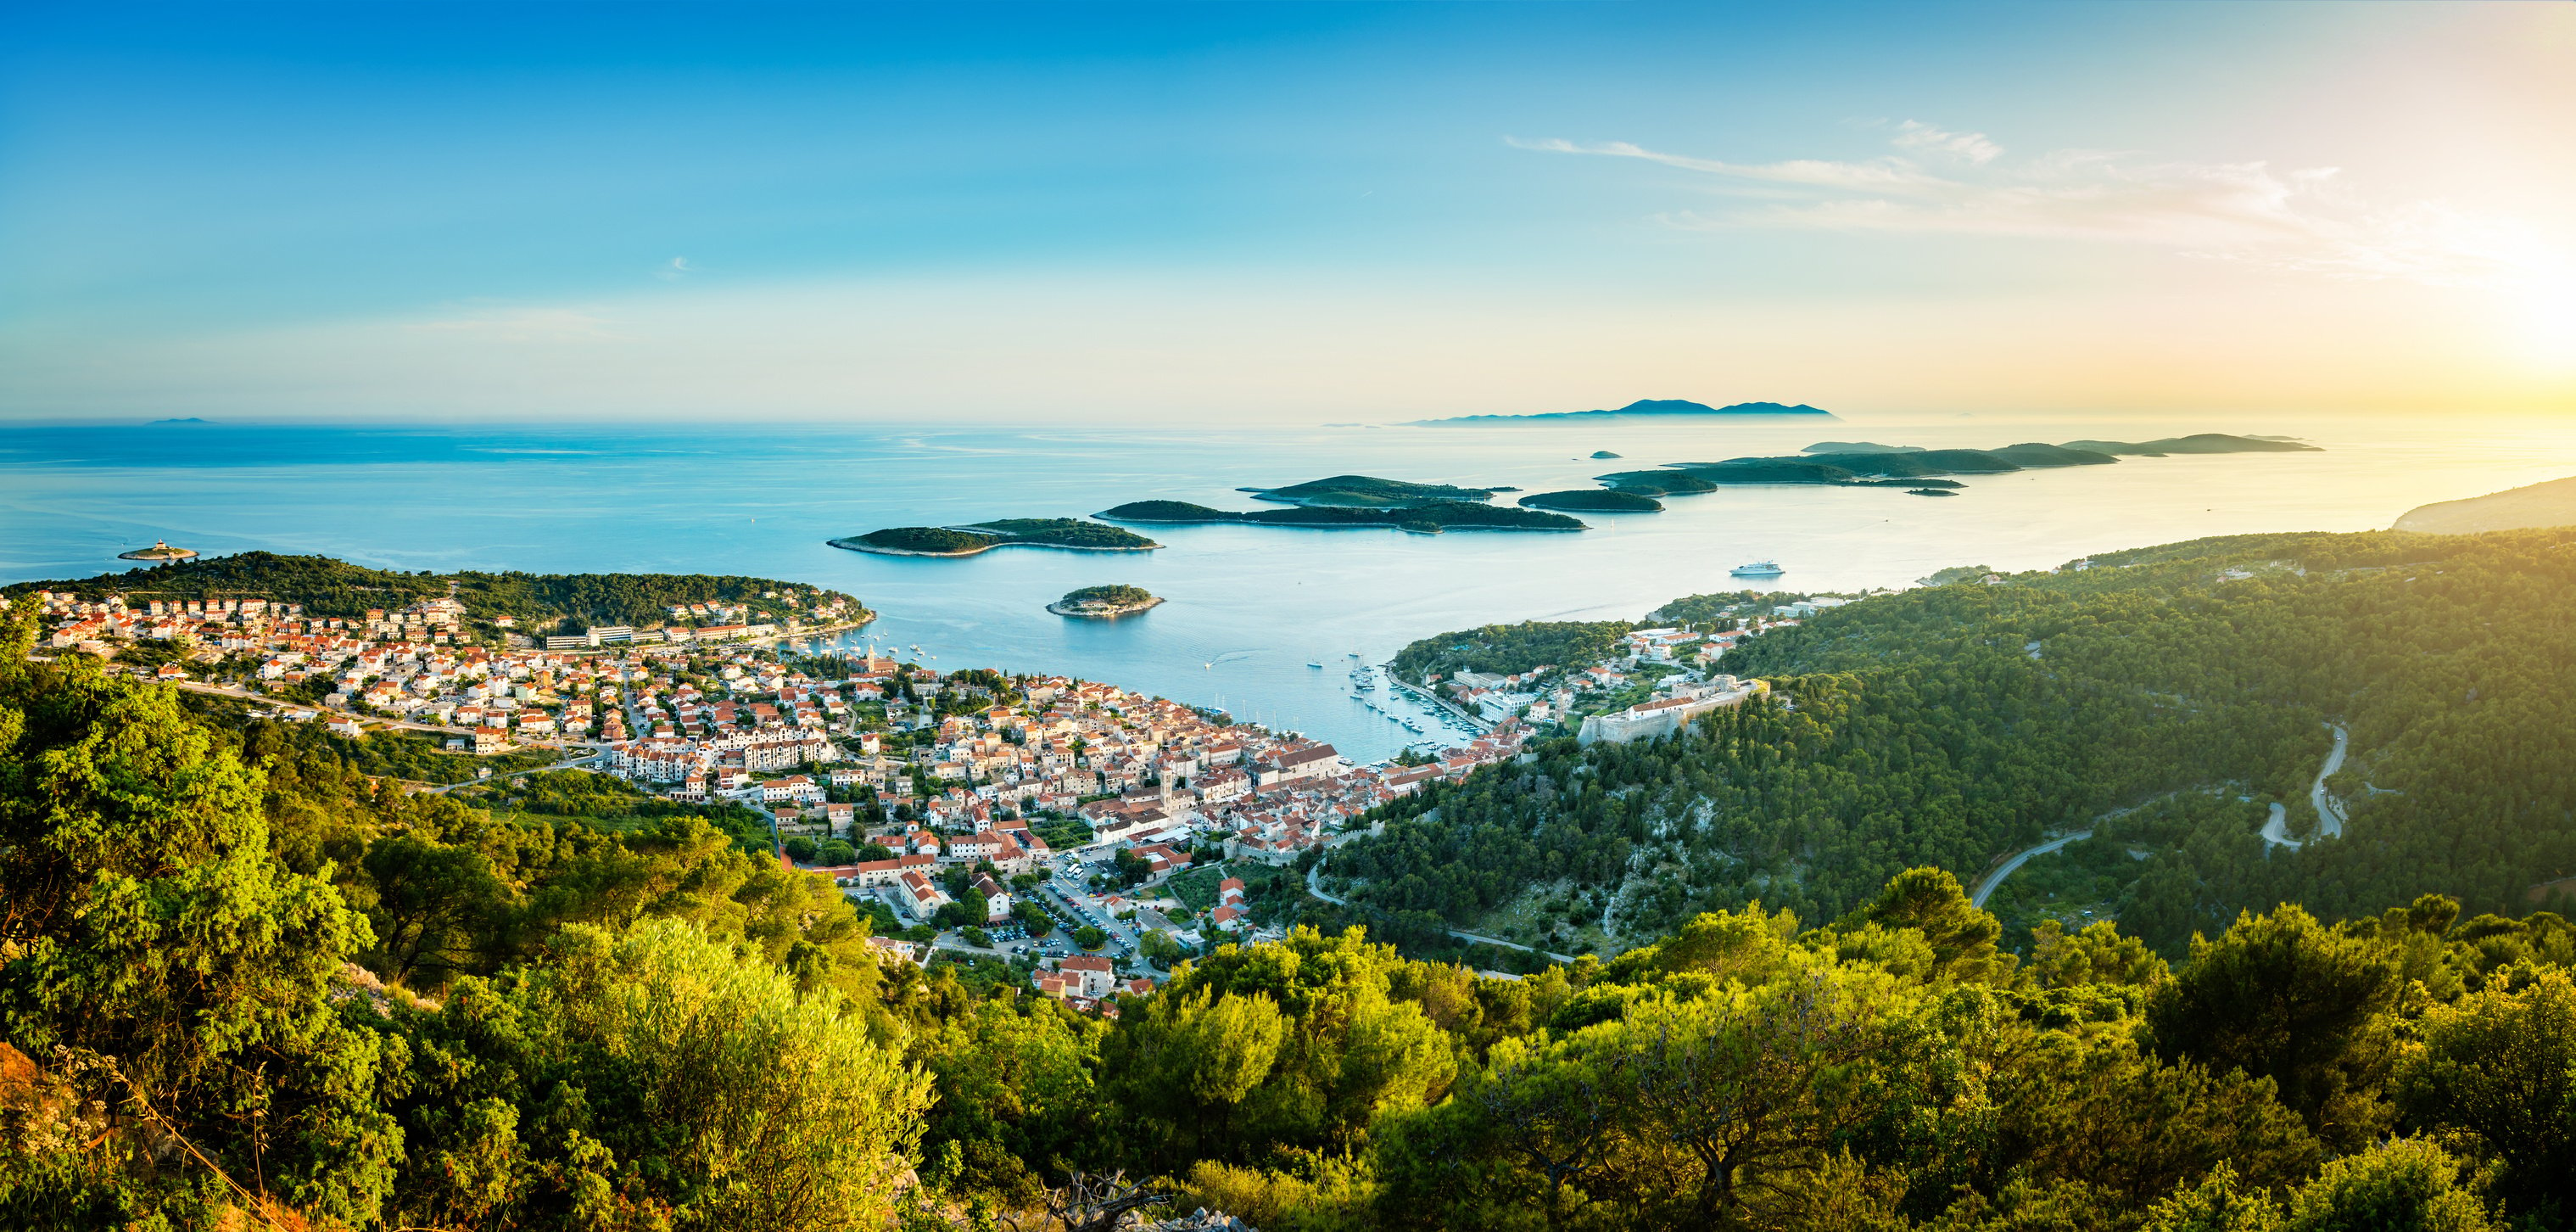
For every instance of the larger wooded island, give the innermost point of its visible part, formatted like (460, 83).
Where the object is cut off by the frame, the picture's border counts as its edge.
(1428, 519)
(1872, 465)
(1068, 534)
(1370, 492)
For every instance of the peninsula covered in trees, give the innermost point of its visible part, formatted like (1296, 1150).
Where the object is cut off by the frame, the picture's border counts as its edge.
(336, 589)
(2541, 504)
(1070, 534)
(1824, 464)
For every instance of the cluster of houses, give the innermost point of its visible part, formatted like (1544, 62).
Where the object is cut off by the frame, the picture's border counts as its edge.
(422, 663)
(1139, 770)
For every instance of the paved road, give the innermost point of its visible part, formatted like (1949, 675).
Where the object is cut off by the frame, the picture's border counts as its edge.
(2330, 814)
(1986, 885)
(1314, 886)
(2276, 830)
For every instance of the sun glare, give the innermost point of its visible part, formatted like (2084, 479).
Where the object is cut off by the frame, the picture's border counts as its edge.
(2548, 312)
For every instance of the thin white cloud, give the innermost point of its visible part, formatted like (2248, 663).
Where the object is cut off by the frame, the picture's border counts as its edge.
(2249, 212)
(1973, 147)
(675, 269)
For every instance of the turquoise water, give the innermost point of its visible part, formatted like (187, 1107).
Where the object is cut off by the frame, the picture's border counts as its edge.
(1247, 608)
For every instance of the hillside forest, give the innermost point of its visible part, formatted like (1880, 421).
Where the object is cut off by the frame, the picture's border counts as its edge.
(2160, 700)
(245, 985)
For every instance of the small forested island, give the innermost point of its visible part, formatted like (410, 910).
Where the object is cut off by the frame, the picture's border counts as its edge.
(1428, 519)
(1369, 492)
(1104, 602)
(1931, 492)
(1598, 454)
(1594, 500)
(159, 552)
(1068, 534)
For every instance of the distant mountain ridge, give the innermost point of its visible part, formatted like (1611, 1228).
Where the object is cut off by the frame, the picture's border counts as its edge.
(1654, 407)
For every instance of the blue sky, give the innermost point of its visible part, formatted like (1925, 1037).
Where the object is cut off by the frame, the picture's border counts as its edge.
(1280, 212)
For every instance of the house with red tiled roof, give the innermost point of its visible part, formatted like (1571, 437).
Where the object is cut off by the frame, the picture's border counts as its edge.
(1096, 976)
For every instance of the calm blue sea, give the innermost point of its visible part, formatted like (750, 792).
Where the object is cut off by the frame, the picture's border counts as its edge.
(1248, 608)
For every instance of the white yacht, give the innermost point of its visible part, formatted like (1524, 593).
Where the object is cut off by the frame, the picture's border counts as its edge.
(1759, 568)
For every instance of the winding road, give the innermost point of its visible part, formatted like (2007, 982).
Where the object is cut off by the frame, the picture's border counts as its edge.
(1314, 886)
(1986, 885)
(2330, 814)
(2276, 831)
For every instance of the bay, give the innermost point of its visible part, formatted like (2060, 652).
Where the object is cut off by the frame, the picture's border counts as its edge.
(1247, 608)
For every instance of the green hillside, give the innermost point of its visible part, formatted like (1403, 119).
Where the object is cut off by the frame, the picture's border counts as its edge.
(243, 985)
(1953, 725)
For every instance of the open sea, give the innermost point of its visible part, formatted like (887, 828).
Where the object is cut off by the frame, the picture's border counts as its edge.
(1247, 608)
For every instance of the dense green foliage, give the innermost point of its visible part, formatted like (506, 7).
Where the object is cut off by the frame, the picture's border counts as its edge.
(1951, 725)
(614, 804)
(243, 984)
(1593, 500)
(336, 588)
(1426, 519)
(179, 898)
(387, 752)
(1710, 608)
(1370, 492)
(1511, 649)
